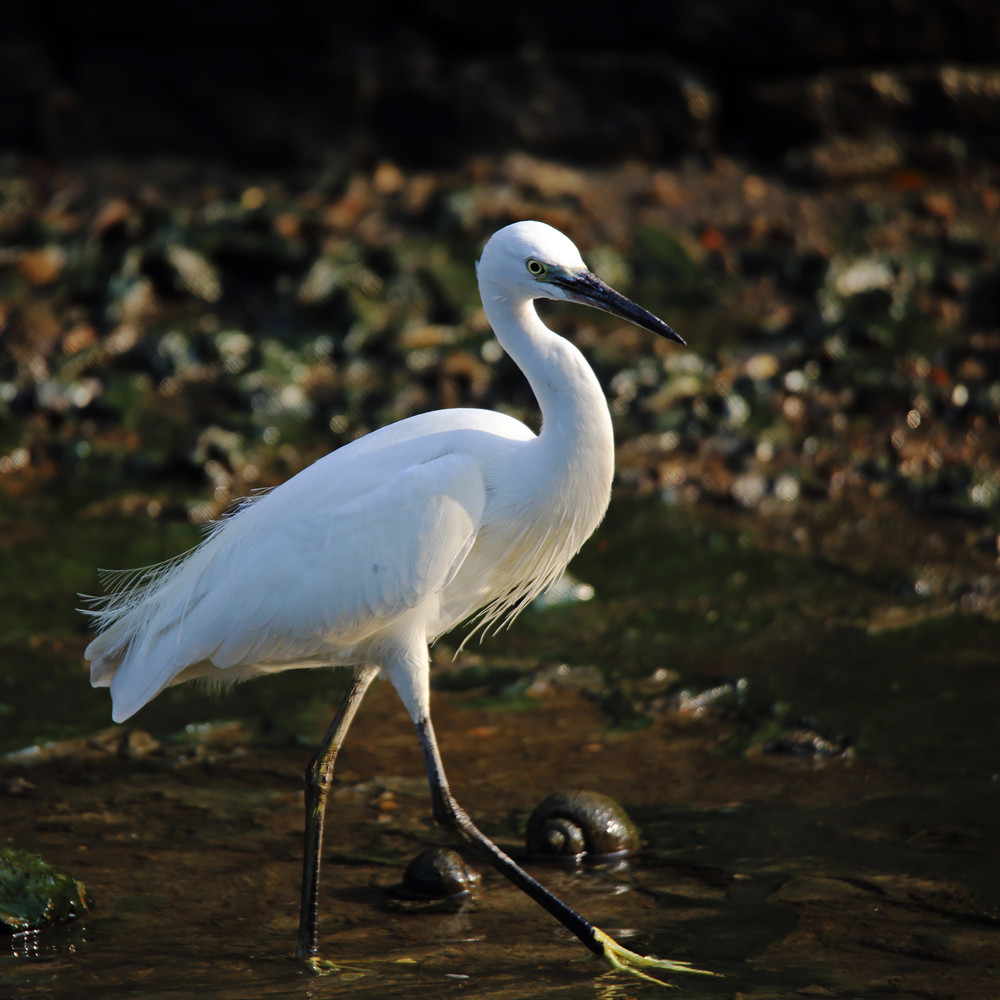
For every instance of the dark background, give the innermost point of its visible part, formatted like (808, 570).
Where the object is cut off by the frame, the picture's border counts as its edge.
(296, 83)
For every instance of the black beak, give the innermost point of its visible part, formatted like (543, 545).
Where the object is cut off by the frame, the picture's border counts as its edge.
(586, 287)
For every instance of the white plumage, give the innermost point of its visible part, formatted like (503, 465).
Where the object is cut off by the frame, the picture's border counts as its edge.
(368, 555)
(388, 541)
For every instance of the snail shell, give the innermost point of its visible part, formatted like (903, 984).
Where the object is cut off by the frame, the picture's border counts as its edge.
(438, 874)
(576, 825)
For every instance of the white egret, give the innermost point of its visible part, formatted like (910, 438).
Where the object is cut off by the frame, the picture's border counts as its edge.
(368, 555)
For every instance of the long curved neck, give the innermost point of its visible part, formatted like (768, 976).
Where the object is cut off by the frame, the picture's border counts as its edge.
(576, 430)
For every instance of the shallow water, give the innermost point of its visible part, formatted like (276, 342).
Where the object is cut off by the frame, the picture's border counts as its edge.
(863, 873)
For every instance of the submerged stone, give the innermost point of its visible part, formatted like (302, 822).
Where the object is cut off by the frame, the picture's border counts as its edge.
(437, 880)
(438, 873)
(34, 892)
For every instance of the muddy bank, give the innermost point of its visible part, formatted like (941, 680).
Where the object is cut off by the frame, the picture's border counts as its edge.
(213, 332)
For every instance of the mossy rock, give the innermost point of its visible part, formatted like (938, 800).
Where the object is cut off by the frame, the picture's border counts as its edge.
(34, 893)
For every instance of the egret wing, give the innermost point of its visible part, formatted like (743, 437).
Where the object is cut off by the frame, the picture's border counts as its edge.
(289, 580)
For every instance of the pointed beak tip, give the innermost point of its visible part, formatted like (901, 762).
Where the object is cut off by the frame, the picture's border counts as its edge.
(667, 332)
(587, 288)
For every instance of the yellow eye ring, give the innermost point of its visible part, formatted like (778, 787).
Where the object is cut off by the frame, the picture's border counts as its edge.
(535, 267)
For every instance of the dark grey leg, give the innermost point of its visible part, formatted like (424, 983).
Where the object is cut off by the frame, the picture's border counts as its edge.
(451, 815)
(318, 778)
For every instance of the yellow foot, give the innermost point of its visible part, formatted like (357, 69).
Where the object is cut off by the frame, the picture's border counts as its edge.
(325, 967)
(629, 961)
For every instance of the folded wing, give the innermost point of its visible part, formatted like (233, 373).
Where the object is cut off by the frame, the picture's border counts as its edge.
(292, 578)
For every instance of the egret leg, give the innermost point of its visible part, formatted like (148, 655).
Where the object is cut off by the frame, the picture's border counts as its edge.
(319, 776)
(451, 815)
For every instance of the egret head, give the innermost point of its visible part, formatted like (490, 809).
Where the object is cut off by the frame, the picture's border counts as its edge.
(533, 260)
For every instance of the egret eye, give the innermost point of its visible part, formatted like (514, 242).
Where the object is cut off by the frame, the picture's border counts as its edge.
(535, 267)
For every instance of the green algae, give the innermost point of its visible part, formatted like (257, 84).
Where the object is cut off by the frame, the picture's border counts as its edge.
(34, 892)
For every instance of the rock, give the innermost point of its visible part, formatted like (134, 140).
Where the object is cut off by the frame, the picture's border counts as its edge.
(34, 893)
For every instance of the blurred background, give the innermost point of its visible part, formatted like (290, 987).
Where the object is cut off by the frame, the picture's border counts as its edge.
(429, 85)
(234, 236)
